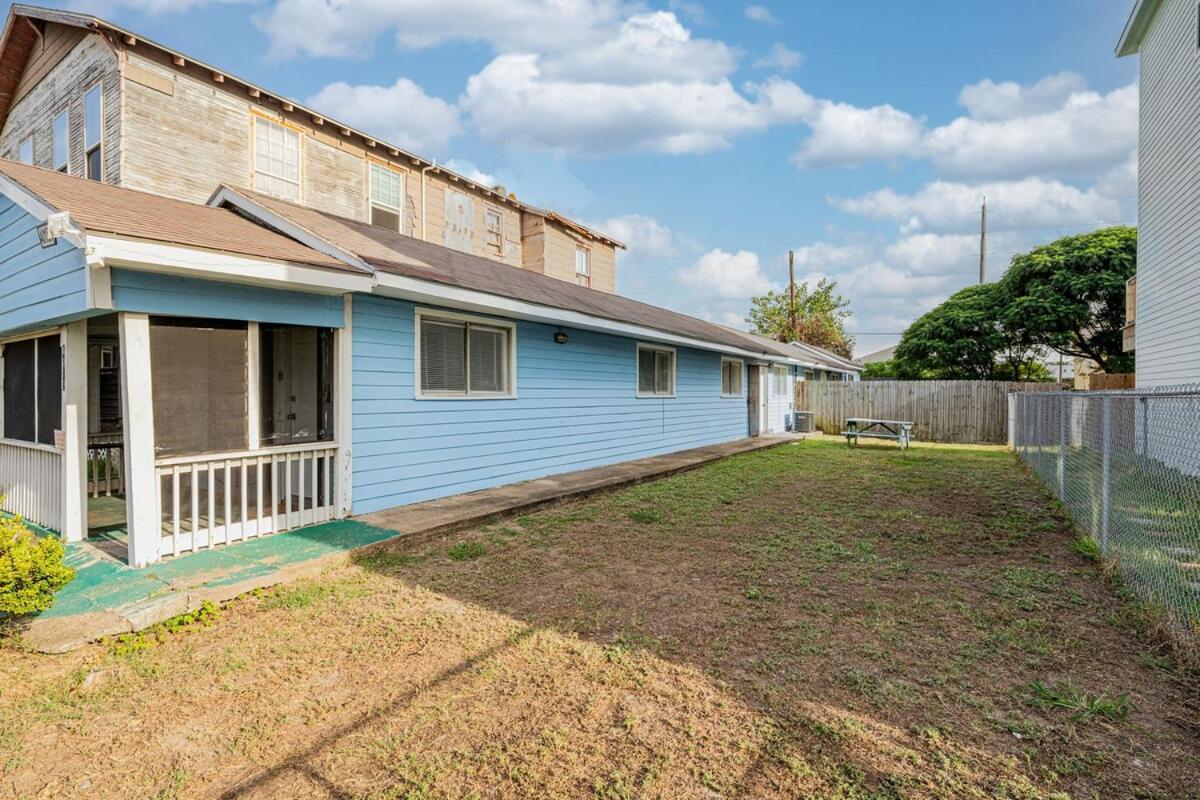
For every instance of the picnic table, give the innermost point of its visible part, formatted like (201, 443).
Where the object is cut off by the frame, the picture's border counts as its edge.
(898, 429)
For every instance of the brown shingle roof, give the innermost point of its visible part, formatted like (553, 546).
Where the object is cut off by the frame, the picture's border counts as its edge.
(396, 253)
(101, 208)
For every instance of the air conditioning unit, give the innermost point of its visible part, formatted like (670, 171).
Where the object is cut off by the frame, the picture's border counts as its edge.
(802, 422)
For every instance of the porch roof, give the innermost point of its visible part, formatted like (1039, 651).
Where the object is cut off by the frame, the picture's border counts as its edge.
(398, 254)
(101, 208)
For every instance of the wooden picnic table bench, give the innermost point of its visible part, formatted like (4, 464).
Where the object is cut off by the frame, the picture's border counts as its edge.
(898, 429)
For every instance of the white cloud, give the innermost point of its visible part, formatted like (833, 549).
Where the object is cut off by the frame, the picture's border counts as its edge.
(646, 237)
(105, 8)
(951, 206)
(926, 253)
(513, 101)
(348, 29)
(824, 256)
(845, 135)
(726, 275)
(988, 100)
(471, 172)
(781, 58)
(761, 14)
(401, 113)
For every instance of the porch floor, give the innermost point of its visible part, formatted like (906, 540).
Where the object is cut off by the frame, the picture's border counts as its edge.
(108, 597)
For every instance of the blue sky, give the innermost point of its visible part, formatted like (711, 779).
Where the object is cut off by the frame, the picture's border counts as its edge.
(714, 136)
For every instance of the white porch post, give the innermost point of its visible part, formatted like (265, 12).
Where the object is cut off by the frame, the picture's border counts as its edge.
(342, 414)
(253, 387)
(141, 485)
(74, 421)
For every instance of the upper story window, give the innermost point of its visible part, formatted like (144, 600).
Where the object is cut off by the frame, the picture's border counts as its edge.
(25, 150)
(276, 159)
(93, 135)
(463, 356)
(583, 266)
(387, 197)
(731, 377)
(494, 224)
(655, 371)
(62, 146)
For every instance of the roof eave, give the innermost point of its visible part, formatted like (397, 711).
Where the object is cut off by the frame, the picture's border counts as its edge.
(1136, 26)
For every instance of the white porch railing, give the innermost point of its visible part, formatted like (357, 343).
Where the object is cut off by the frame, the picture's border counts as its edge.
(217, 498)
(31, 478)
(105, 469)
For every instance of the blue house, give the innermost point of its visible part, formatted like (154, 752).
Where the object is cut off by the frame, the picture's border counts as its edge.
(235, 369)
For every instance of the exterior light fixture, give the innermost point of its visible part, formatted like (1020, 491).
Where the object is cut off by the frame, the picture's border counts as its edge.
(560, 337)
(56, 225)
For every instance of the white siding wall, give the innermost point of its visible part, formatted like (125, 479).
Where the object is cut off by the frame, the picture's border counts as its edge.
(1168, 291)
(779, 406)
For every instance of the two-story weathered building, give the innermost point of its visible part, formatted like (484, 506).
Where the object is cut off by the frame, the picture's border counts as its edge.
(81, 95)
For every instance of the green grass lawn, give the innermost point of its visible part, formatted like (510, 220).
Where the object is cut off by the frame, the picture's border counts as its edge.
(805, 621)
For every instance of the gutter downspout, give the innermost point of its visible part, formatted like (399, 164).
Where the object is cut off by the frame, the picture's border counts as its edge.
(423, 171)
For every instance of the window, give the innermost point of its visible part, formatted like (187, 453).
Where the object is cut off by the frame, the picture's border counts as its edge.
(198, 371)
(62, 147)
(276, 159)
(779, 382)
(387, 197)
(494, 231)
(731, 377)
(93, 135)
(464, 357)
(33, 389)
(655, 371)
(25, 151)
(295, 384)
(583, 266)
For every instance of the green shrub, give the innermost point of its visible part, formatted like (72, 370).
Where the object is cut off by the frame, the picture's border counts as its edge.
(31, 569)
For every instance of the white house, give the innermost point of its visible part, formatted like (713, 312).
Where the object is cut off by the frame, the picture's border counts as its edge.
(1166, 34)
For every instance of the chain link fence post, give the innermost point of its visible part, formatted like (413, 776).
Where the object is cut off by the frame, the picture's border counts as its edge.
(1105, 471)
(1062, 447)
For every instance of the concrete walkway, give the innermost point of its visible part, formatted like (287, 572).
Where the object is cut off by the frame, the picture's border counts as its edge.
(107, 597)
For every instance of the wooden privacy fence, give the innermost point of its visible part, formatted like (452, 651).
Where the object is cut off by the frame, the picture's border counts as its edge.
(941, 411)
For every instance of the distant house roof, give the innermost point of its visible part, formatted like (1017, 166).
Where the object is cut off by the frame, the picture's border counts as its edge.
(1136, 26)
(18, 39)
(398, 254)
(801, 351)
(101, 208)
(879, 355)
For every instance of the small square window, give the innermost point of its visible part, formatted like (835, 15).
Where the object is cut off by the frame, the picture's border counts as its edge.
(731, 377)
(655, 371)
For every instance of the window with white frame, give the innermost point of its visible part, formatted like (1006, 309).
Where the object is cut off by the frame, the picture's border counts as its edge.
(655, 371)
(62, 146)
(731, 377)
(779, 382)
(464, 356)
(32, 389)
(276, 159)
(494, 230)
(93, 135)
(387, 197)
(25, 150)
(583, 266)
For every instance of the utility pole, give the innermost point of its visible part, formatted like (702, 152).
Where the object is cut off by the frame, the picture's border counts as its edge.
(982, 240)
(792, 334)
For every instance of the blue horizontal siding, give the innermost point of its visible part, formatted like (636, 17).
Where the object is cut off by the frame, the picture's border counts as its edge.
(170, 295)
(576, 408)
(37, 284)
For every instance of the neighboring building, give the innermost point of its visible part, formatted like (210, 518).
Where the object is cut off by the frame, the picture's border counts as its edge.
(1164, 34)
(83, 96)
(249, 366)
(879, 356)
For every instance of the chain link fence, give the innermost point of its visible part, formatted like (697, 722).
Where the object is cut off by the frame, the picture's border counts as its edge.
(1126, 464)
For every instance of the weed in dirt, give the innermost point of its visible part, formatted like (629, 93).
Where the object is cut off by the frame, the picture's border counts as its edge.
(1087, 547)
(1082, 705)
(646, 516)
(465, 551)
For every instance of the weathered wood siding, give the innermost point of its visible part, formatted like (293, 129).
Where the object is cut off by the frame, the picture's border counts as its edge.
(1168, 280)
(61, 83)
(37, 284)
(941, 411)
(559, 258)
(576, 407)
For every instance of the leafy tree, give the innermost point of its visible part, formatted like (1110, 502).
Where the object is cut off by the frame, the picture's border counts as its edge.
(1069, 295)
(879, 370)
(966, 337)
(820, 316)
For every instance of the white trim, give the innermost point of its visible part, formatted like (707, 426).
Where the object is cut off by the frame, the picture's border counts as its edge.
(637, 384)
(741, 376)
(173, 259)
(343, 410)
(253, 386)
(45, 448)
(226, 196)
(38, 208)
(74, 427)
(489, 322)
(142, 507)
(406, 288)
